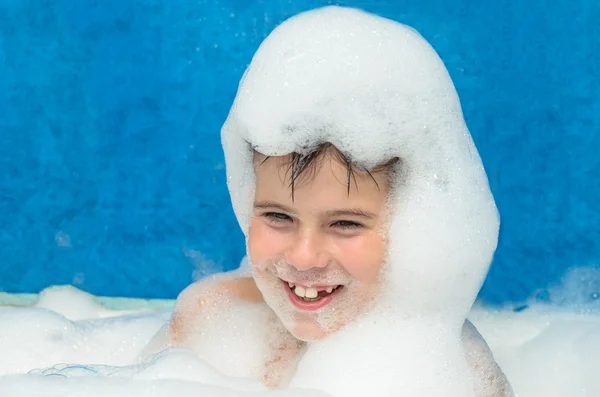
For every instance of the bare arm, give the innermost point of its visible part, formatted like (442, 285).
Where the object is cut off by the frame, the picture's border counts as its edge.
(489, 378)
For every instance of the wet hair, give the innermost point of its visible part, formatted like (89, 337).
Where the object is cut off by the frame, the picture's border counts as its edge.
(306, 165)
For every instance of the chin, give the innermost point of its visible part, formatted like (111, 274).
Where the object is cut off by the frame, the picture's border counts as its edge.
(307, 327)
(303, 326)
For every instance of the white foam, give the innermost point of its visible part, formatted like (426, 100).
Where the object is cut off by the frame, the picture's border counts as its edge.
(376, 90)
(580, 288)
(43, 352)
(45, 337)
(547, 350)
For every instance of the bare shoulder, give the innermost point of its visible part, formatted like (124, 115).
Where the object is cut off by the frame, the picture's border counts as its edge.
(490, 380)
(225, 322)
(207, 297)
(224, 312)
(198, 309)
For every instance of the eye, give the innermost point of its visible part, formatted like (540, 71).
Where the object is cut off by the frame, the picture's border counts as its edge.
(276, 217)
(346, 225)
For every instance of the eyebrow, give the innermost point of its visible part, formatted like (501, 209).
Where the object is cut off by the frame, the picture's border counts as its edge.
(332, 213)
(272, 205)
(350, 212)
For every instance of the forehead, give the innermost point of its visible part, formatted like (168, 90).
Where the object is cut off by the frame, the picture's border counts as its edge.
(326, 183)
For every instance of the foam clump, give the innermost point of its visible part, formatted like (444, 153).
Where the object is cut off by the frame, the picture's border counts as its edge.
(171, 364)
(546, 350)
(34, 337)
(72, 303)
(580, 287)
(418, 361)
(44, 352)
(376, 90)
(34, 386)
(550, 345)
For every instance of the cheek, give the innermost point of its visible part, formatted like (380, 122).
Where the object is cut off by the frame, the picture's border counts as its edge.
(362, 257)
(264, 243)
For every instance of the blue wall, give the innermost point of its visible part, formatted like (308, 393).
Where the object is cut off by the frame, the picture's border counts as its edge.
(111, 169)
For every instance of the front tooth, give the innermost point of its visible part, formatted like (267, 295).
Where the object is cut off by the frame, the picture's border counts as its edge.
(291, 285)
(300, 291)
(329, 290)
(311, 293)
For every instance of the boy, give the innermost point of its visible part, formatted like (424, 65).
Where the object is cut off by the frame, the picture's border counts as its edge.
(336, 219)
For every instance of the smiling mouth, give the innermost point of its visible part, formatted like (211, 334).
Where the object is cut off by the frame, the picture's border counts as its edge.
(311, 298)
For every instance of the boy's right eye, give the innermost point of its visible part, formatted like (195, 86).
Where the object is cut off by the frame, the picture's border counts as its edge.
(277, 217)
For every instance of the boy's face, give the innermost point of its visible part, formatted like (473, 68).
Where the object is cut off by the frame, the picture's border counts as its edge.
(328, 243)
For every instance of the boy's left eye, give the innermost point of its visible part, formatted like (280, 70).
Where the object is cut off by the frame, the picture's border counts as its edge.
(345, 225)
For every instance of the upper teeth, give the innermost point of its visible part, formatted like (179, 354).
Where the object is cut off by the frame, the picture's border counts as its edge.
(308, 292)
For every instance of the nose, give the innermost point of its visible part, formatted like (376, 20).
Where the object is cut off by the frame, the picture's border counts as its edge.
(307, 251)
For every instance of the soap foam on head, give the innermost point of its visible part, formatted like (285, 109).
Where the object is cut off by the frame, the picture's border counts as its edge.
(376, 89)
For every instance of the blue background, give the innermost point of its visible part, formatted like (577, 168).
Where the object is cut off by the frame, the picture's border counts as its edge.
(111, 169)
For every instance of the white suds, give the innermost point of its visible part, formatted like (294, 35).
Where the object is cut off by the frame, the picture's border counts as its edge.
(376, 90)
